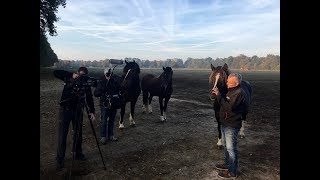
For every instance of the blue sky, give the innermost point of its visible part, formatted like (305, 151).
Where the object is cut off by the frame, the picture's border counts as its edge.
(162, 29)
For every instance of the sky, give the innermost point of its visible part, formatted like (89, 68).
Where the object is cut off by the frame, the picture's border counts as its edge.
(166, 29)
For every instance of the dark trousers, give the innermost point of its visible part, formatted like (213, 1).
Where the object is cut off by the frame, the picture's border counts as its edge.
(107, 121)
(67, 114)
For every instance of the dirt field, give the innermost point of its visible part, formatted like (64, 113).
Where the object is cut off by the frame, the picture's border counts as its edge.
(184, 147)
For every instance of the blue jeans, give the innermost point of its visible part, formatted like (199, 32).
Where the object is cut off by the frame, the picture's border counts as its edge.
(107, 121)
(230, 138)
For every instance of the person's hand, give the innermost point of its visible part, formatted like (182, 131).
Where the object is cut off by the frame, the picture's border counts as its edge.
(215, 91)
(75, 75)
(92, 117)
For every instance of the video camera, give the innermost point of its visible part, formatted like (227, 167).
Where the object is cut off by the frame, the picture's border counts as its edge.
(83, 81)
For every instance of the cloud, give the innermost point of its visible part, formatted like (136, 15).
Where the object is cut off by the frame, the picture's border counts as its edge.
(180, 28)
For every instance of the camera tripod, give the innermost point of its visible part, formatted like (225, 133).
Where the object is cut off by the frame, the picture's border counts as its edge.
(77, 125)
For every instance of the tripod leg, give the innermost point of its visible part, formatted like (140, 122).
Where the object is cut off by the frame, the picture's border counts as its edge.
(95, 136)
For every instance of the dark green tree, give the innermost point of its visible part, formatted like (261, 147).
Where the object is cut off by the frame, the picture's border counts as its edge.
(48, 11)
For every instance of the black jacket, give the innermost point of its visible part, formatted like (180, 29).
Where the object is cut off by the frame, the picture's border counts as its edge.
(69, 96)
(106, 87)
(233, 107)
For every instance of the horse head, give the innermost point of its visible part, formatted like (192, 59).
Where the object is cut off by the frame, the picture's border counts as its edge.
(218, 78)
(166, 77)
(130, 74)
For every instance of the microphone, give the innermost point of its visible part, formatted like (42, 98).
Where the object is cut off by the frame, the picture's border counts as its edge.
(116, 61)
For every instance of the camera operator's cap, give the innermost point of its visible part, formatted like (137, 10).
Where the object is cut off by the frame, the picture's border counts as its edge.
(107, 71)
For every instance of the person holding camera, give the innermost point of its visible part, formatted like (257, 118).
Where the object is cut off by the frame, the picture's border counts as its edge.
(75, 96)
(108, 90)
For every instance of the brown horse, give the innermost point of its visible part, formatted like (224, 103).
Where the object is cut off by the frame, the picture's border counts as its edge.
(131, 90)
(160, 86)
(218, 78)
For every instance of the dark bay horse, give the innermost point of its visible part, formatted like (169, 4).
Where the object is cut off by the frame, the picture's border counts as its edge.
(130, 87)
(160, 86)
(218, 78)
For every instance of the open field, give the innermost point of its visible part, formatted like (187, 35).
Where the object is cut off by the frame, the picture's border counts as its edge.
(184, 147)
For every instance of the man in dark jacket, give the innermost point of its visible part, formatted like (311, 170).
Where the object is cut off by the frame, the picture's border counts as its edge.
(75, 96)
(233, 107)
(108, 89)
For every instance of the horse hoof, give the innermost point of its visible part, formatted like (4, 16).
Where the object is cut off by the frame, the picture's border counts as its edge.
(241, 136)
(220, 147)
(133, 125)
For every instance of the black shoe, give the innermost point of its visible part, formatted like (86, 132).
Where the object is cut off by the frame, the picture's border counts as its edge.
(81, 157)
(112, 138)
(103, 140)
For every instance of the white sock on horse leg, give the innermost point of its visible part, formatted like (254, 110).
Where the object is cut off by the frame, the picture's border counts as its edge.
(150, 108)
(164, 115)
(120, 124)
(161, 118)
(131, 120)
(144, 108)
(219, 142)
(242, 130)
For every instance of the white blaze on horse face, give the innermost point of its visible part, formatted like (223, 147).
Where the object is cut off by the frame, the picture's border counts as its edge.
(127, 74)
(216, 81)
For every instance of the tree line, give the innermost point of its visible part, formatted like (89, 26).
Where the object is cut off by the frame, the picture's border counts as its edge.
(270, 62)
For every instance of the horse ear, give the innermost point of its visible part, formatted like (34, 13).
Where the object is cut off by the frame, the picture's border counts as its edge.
(163, 68)
(225, 67)
(212, 67)
(126, 61)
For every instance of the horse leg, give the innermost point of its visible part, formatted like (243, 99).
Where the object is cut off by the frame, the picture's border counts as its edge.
(165, 107)
(131, 118)
(145, 101)
(123, 110)
(220, 140)
(149, 107)
(242, 130)
(161, 109)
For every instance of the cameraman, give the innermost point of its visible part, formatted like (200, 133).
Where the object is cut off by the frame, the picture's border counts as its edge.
(73, 98)
(108, 89)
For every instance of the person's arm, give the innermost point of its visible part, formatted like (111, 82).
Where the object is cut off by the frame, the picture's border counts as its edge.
(62, 74)
(89, 99)
(230, 104)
